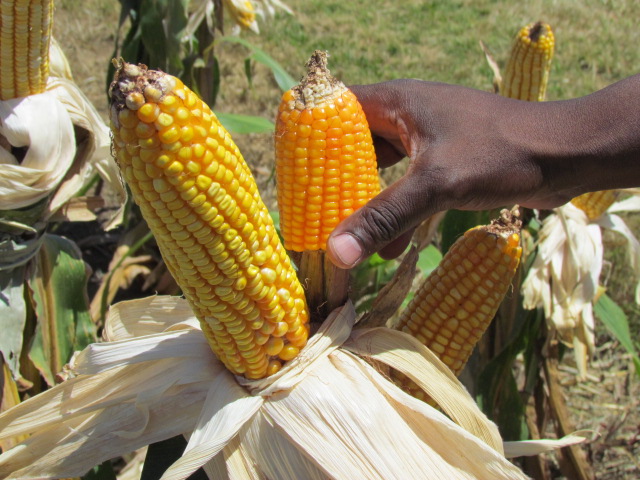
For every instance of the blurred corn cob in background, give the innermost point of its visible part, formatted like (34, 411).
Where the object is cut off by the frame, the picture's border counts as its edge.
(455, 304)
(25, 35)
(594, 204)
(214, 232)
(527, 72)
(325, 170)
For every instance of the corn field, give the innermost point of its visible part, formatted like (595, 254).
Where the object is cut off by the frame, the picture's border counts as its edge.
(167, 308)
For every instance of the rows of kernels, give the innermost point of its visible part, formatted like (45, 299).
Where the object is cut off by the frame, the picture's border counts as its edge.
(215, 234)
(326, 167)
(527, 72)
(25, 30)
(454, 306)
(594, 204)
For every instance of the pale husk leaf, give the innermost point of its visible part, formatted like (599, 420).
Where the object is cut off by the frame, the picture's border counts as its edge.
(227, 408)
(93, 155)
(629, 204)
(352, 431)
(262, 442)
(148, 316)
(58, 63)
(50, 143)
(563, 278)
(126, 407)
(440, 426)
(617, 224)
(525, 448)
(407, 355)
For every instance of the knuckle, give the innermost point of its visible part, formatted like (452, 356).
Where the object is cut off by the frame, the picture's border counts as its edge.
(383, 223)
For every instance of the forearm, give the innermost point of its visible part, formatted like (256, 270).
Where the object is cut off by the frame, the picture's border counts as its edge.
(589, 143)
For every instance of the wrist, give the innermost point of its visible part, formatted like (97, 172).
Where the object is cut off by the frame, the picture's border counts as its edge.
(584, 144)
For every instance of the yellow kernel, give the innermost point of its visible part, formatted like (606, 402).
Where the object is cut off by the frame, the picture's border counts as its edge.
(274, 346)
(268, 275)
(288, 352)
(273, 367)
(281, 329)
(169, 135)
(174, 169)
(169, 104)
(163, 121)
(148, 112)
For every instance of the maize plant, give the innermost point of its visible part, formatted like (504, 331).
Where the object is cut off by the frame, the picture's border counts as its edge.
(214, 232)
(325, 162)
(594, 204)
(200, 201)
(455, 304)
(25, 32)
(325, 170)
(52, 143)
(527, 72)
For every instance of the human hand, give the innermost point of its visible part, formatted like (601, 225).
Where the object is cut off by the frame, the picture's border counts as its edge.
(464, 153)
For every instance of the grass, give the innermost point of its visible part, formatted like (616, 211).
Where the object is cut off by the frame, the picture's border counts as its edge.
(439, 40)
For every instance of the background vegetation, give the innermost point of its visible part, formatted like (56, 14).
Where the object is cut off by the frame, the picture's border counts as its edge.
(371, 41)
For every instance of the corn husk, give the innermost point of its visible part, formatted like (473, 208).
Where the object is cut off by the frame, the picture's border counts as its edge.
(41, 156)
(327, 413)
(564, 277)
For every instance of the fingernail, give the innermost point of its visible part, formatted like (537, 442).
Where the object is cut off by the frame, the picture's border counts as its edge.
(347, 249)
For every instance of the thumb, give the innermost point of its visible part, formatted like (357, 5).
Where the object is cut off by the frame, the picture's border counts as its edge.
(396, 210)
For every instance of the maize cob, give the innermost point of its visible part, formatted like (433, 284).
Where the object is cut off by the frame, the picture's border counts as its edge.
(594, 204)
(454, 305)
(25, 35)
(242, 12)
(214, 232)
(527, 72)
(325, 161)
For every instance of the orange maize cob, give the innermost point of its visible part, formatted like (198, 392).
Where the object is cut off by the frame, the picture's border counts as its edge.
(527, 72)
(25, 35)
(325, 161)
(214, 232)
(594, 204)
(454, 306)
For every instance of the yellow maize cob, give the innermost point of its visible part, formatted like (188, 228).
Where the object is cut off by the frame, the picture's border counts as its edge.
(527, 72)
(214, 232)
(25, 35)
(594, 204)
(455, 304)
(241, 11)
(325, 161)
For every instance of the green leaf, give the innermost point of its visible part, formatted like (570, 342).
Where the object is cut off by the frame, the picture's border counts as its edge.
(456, 222)
(616, 321)
(13, 315)
(61, 305)
(497, 390)
(283, 79)
(429, 259)
(245, 123)
(153, 35)
(104, 471)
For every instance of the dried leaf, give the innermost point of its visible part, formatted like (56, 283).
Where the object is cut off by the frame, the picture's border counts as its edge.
(393, 293)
